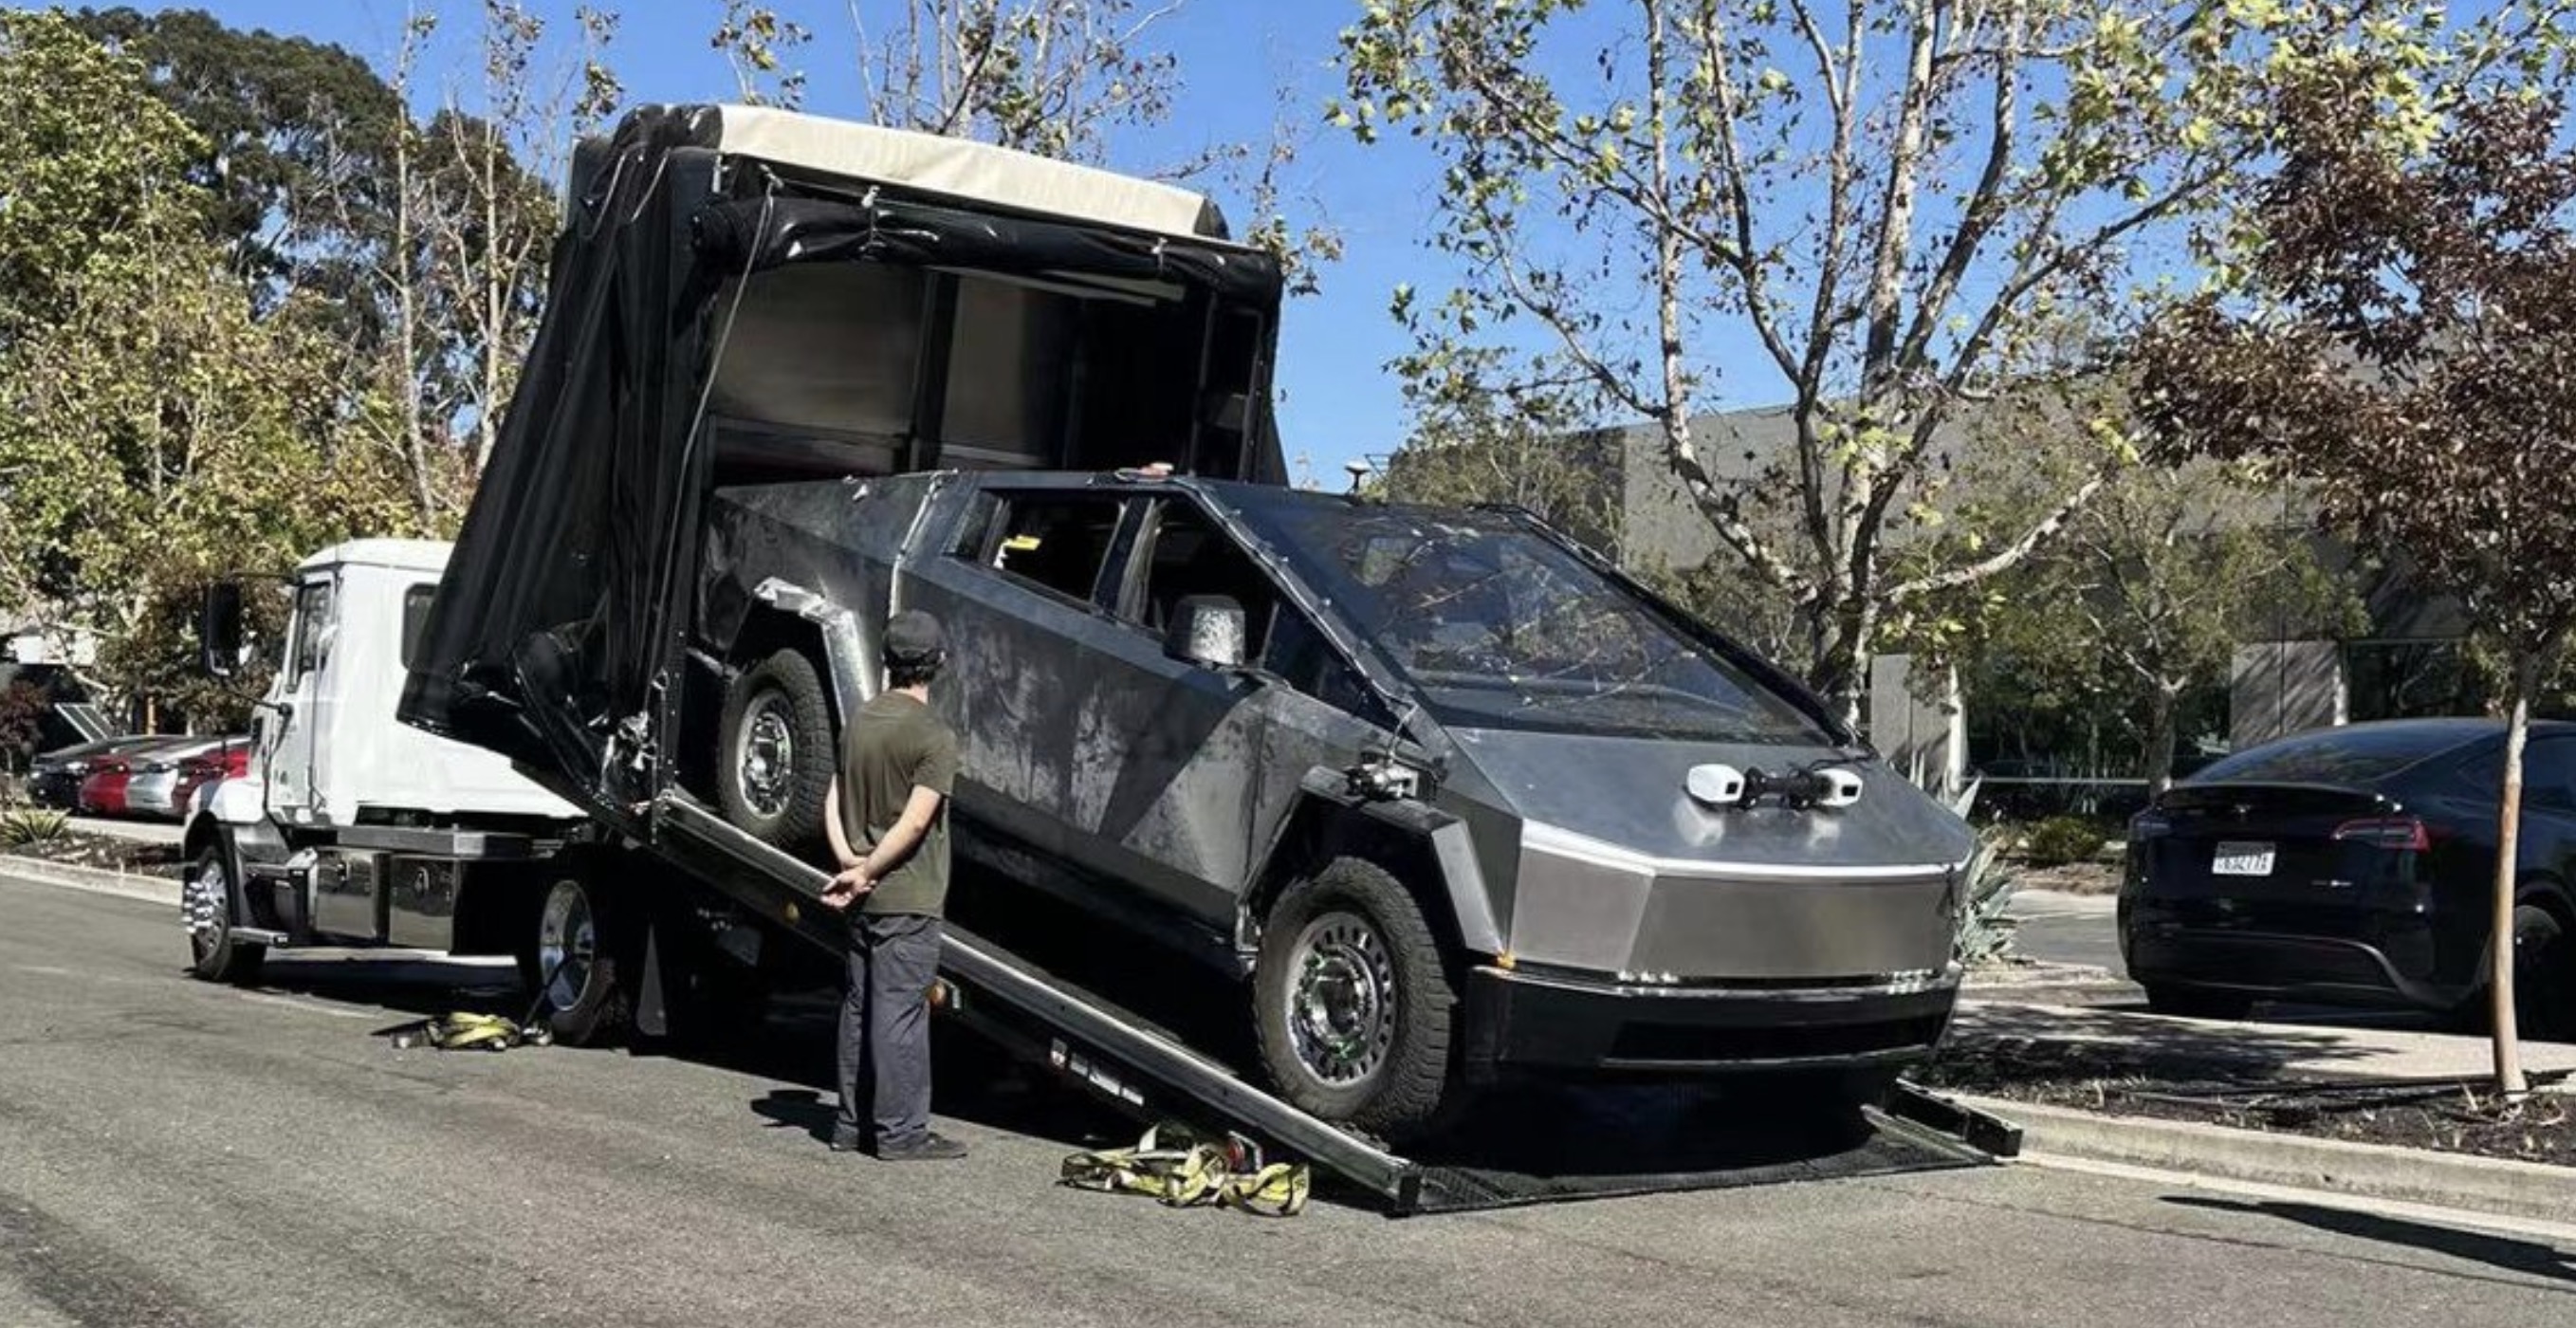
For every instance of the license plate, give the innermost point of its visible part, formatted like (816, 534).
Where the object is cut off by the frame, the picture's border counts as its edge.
(2241, 860)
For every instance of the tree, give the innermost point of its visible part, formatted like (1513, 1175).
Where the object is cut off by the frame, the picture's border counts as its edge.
(1875, 207)
(2401, 335)
(1472, 448)
(154, 427)
(290, 147)
(86, 165)
(2155, 583)
(490, 219)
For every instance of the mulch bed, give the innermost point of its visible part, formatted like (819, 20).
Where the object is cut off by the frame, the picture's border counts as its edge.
(2445, 1117)
(106, 853)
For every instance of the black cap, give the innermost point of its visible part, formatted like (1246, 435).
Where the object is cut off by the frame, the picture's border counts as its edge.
(913, 637)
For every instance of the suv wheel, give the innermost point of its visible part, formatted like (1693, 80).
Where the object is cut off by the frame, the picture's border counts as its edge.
(1353, 1006)
(774, 754)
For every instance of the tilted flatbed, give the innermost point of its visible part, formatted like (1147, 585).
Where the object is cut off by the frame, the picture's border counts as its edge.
(1125, 1061)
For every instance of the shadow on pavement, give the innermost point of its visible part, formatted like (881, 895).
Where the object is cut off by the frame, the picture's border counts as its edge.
(2506, 1252)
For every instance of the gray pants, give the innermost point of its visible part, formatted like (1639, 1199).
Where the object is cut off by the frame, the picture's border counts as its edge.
(885, 1028)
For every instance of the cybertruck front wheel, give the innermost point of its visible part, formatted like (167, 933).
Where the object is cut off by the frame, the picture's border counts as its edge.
(1352, 1006)
(774, 754)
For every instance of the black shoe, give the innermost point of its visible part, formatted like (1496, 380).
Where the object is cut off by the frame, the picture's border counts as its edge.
(848, 1143)
(927, 1148)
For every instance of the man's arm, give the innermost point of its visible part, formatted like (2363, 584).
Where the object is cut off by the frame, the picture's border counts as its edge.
(844, 857)
(919, 812)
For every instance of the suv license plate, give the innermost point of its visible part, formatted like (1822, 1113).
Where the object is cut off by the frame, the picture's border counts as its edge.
(2241, 860)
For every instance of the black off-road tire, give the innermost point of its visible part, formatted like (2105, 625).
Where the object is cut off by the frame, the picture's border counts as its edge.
(789, 680)
(225, 957)
(581, 997)
(1413, 1089)
(2198, 1002)
(2544, 975)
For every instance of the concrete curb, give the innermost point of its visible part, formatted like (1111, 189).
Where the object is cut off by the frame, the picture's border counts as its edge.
(94, 880)
(2531, 1190)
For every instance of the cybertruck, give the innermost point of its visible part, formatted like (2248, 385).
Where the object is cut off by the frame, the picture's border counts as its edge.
(1456, 799)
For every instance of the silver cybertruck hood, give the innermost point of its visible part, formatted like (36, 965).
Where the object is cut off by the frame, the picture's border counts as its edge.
(1619, 870)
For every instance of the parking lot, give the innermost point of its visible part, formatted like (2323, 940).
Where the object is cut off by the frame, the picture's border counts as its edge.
(181, 1153)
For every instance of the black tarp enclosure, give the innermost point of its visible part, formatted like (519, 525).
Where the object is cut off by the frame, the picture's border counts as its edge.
(742, 295)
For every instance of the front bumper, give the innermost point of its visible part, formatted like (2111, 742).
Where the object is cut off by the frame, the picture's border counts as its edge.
(1568, 1023)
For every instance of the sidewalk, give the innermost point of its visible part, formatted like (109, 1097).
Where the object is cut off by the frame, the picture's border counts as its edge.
(2209, 1048)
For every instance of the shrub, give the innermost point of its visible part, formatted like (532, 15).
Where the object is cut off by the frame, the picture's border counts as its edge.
(31, 825)
(2060, 840)
(1985, 931)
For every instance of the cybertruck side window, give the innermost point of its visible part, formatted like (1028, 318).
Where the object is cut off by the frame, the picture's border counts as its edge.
(1188, 555)
(1056, 543)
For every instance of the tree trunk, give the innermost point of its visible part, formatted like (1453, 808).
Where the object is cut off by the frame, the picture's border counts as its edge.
(2508, 1045)
(2162, 701)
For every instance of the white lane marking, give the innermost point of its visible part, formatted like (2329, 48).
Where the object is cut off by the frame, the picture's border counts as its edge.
(2420, 1212)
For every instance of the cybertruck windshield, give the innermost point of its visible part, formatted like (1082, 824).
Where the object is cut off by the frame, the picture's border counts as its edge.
(1497, 626)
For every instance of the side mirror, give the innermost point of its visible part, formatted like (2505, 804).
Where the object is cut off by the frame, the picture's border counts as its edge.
(1207, 630)
(221, 647)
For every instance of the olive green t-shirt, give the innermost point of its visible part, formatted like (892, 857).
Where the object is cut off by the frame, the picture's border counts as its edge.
(892, 746)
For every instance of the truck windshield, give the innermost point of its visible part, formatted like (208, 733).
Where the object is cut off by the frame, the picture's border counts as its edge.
(1498, 627)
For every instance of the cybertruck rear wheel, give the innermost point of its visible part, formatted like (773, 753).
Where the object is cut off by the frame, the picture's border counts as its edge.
(1352, 1005)
(774, 754)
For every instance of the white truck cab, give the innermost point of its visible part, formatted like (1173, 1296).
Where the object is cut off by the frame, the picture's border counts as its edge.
(327, 750)
(351, 828)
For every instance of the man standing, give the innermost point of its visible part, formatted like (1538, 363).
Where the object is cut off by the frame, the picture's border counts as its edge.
(887, 819)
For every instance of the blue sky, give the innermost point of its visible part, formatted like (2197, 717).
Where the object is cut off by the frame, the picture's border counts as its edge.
(1232, 54)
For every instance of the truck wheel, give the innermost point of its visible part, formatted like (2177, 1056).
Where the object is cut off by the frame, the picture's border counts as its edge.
(208, 903)
(577, 963)
(1352, 1004)
(774, 753)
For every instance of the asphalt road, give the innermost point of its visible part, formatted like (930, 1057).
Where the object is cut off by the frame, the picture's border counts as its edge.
(2067, 929)
(178, 1153)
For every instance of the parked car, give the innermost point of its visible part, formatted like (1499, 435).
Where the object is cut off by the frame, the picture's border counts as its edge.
(2355, 865)
(102, 790)
(105, 783)
(155, 785)
(54, 778)
(229, 761)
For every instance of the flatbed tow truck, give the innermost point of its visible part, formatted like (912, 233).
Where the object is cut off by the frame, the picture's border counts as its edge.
(762, 326)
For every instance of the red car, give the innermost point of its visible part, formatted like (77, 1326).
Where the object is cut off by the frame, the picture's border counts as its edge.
(231, 761)
(102, 790)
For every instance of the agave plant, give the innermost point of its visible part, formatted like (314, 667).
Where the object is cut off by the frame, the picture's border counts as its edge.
(31, 825)
(1986, 888)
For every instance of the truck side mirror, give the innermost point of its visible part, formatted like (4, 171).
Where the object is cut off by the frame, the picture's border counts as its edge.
(1207, 630)
(220, 644)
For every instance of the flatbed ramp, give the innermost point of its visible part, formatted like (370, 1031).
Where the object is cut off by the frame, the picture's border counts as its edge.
(1536, 1148)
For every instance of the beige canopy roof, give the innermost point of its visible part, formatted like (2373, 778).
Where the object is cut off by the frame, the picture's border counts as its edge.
(964, 169)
